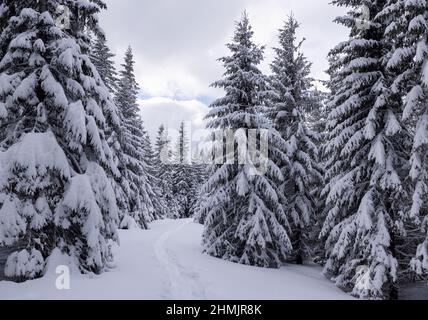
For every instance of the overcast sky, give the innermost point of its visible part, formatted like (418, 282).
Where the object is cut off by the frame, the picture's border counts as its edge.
(176, 44)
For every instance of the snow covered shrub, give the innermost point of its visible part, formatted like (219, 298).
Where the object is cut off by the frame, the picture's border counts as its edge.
(94, 212)
(24, 265)
(33, 171)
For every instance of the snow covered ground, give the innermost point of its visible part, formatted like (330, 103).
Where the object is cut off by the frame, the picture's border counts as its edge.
(166, 263)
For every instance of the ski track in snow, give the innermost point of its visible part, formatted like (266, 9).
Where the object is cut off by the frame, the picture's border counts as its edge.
(183, 283)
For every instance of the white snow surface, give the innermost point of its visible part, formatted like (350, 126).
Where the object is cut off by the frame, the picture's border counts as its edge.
(166, 263)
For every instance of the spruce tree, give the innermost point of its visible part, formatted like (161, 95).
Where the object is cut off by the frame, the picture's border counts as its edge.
(367, 192)
(291, 98)
(245, 221)
(102, 58)
(317, 113)
(198, 174)
(54, 111)
(407, 30)
(161, 209)
(164, 171)
(133, 157)
(182, 176)
(201, 206)
(182, 152)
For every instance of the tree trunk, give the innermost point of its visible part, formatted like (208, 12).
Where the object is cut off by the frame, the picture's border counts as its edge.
(393, 292)
(43, 5)
(299, 251)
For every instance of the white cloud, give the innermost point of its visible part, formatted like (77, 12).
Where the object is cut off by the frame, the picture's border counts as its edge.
(176, 43)
(170, 113)
(170, 79)
(316, 26)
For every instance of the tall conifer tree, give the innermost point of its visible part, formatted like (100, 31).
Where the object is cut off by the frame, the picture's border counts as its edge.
(245, 221)
(290, 101)
(133, 143)
(54, 114)
(368, 145)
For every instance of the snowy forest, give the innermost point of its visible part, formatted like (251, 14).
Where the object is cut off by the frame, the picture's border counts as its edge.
(344, 185)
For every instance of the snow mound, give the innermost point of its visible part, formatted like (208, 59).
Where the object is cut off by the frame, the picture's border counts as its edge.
(57, 259)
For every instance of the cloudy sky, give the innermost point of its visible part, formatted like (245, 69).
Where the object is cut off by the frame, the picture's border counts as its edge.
(176, 44)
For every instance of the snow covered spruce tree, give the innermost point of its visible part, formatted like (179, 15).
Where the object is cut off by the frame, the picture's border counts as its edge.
(182, 176)
(245, 221)
(199, 176)
(367, 192)
(133, 157)
(316, 115)
(160, 208)
(408, 30)
(317, 121)
(54, 158)
(290, 100)
(164, 171)
(102, 58)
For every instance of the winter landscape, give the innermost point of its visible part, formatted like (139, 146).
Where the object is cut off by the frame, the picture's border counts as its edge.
(214, 150)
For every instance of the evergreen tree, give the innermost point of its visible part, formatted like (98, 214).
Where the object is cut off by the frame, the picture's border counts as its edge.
(290, 101)
(367, 192)
(407, 30)
(102, 58)
(199, 176)
(334, 87)
(245, 222)
(164, 171)
(54, 111)
(182, 152)
(203, 157)
(132, 157)
(161, 209)
(203, 171)
(182, 176)
(317, 114)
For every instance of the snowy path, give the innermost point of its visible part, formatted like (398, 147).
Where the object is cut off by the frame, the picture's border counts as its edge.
(183, 282)
(166, 263)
